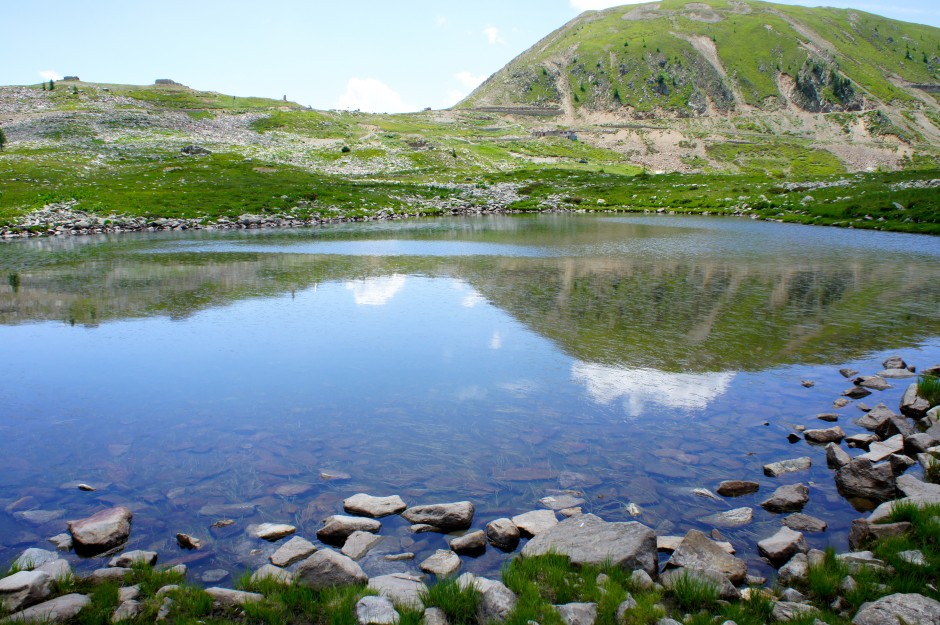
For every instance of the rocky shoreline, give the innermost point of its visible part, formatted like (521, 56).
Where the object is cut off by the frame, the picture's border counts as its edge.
(874, 478)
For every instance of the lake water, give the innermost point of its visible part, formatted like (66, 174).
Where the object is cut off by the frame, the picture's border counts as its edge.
(627, 360)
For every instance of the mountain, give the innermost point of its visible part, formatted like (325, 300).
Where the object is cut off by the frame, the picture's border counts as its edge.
(717, 58)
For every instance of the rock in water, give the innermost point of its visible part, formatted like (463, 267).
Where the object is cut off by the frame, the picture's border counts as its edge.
(446, 516)
(911, 609)
(730, 518)
(327, 568)
(736, 488)
(782, 546)
(776, 469)
(367, 505)
(790, 498)
(828, 435)
(101, 531)
(700, 553)
(442, 563)
(126, 560)
(293, 550)
(503, 534)
(862, 478)
(804, 523)
(470, 543)
(337, 528)
(587, 539)
(836, 456)
(535, 522)
(271, 531)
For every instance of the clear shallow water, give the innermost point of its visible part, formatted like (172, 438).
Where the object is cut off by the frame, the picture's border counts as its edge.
(497, 360)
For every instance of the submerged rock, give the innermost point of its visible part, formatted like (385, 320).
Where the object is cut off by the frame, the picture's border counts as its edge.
(587, 539)
(776, 469)
(736, 488)
(101, 531)
(271, 531)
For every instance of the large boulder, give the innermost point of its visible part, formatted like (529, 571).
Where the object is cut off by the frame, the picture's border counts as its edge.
(862, 478)
(910, 609)
(327, 568)
(698, 552)
(367, 505)
(444, 516)
(587, 539)
(101, 531)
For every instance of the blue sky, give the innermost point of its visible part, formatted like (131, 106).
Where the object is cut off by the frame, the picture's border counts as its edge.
(368, 54)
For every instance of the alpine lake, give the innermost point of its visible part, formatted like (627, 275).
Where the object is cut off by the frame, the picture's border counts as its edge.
(267, 375)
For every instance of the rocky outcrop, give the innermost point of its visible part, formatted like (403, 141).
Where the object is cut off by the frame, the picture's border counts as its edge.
(587, 539)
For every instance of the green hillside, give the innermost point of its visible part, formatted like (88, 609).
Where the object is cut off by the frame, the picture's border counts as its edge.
(705, 58)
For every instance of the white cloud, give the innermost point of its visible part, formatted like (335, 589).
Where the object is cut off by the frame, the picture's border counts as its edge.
(468, 80)
(440, 21)
(50, 74)
(637, 387)
(372, 96)
(496, 341)
(376, 291)
(492, 35)
(597, 5)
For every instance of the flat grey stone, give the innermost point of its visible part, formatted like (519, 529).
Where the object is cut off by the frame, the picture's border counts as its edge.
(471, 542)
(101, 531)
(367, 505)
(879, 450)
(776, 469)
(804, 523)
(270, 531)
(789, 498)
(561, 502)
(736, 517)
(782, 546)
(827, 435)
(587, 539)
(446, 516)
(294, 550)
(535, 522)
(58, 610)
(910, 609)
(57, 569)
(359, 543)
(442, 563)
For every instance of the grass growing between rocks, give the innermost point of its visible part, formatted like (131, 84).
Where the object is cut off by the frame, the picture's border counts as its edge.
(928, 387)
(458, 603)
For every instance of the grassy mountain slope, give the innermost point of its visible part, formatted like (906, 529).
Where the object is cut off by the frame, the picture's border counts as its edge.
(687, 59)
